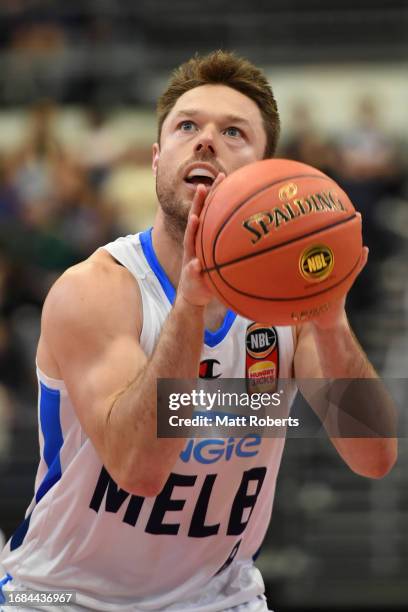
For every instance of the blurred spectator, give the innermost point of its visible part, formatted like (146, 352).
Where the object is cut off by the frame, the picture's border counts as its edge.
(370, 170)
(99, 148)
(79, 217)
(36, 60)
(366, 151)
(130, 189)
(10, 203)
(32, 163)
(307, 143)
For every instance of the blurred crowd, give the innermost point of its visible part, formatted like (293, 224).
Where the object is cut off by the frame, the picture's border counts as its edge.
(58, 204)
(68, 50)
(372, 168)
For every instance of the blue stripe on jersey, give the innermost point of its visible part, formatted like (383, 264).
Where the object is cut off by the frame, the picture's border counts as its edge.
(148, 250)
(214, 338)
(210, 338)
(20, 533)
(4, 581)
(53, 441)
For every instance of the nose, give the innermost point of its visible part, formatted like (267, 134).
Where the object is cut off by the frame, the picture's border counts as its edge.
(205, 142)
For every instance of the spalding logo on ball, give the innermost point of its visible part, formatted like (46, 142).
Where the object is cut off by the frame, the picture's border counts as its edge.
(278, 241)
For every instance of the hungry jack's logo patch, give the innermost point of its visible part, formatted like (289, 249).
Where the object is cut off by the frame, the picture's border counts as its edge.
(262, 358)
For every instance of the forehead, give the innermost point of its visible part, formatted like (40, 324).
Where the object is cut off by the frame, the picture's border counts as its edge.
(218, 101)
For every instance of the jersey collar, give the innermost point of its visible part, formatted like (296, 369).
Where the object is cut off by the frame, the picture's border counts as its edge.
(211, 339)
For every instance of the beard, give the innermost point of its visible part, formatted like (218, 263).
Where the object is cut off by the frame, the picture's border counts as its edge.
(175, 209)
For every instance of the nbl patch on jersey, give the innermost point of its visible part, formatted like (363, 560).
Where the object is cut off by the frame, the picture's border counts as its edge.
(262, 358)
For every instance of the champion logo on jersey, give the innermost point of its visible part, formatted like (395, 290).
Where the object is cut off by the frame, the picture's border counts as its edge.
(208, 368)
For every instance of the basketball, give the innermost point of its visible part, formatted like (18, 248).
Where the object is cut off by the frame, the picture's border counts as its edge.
(279, 241)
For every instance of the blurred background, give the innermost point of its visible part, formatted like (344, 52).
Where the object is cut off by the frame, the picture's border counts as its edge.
(78, 85)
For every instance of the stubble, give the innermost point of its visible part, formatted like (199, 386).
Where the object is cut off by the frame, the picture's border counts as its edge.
(175, 209)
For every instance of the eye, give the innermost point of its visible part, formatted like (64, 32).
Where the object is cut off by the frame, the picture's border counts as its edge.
(187, 126)
(233, 132)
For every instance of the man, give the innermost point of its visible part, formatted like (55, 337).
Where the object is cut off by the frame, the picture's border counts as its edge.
(127, 520)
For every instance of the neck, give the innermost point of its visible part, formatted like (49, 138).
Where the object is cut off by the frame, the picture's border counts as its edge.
(169, 252)
(168, 249)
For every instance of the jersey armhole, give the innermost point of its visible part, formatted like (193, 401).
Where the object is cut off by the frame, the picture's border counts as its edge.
(115, 259)
(56, 384)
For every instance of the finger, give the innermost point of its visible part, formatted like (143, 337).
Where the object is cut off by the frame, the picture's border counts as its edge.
(361, 263)
(189, 237)
(201, 194)
(196, 270)
(198, 200)
(220, 177)
(193, 270)
(363, 259)
(196, 266)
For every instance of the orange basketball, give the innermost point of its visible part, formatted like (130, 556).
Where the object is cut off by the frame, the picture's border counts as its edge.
(278, 241)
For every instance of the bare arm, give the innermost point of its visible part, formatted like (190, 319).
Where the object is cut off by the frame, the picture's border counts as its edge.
(332, 352)
(91, 326)
(328, 349)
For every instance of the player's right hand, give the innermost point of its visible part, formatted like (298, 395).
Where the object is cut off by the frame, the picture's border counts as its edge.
(192, 286)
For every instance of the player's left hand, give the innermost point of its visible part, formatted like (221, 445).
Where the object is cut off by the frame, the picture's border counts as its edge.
(336, 313)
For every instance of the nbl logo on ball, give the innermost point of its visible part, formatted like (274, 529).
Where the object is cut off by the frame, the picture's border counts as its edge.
(316, 263)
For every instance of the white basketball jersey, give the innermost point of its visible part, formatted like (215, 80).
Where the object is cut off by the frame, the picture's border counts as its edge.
(192, 546)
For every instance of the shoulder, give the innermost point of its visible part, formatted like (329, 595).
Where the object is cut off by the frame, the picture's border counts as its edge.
(97, 294)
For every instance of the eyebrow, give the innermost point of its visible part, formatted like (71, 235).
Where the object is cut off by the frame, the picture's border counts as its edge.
(192, 112)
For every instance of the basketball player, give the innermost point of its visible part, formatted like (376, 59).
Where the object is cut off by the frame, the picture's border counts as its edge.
(129, 521)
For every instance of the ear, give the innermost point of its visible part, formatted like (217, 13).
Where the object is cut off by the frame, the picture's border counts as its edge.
(155, 159)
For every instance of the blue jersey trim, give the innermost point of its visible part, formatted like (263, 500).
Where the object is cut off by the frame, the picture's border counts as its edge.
(211, 339)
(53, 440)
(20, 533)
(256, 555)
(214, 338)
(148, 250)
(4, 581)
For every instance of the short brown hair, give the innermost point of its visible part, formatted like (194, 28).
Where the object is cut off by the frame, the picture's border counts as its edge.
(224, 68)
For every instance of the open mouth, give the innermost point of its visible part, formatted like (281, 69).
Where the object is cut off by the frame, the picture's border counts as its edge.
(201, 176)
(199, 180)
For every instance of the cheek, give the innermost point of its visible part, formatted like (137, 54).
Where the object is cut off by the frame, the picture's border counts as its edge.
(246, 155)
(168, 157)
(164, 163)
(167, 168)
